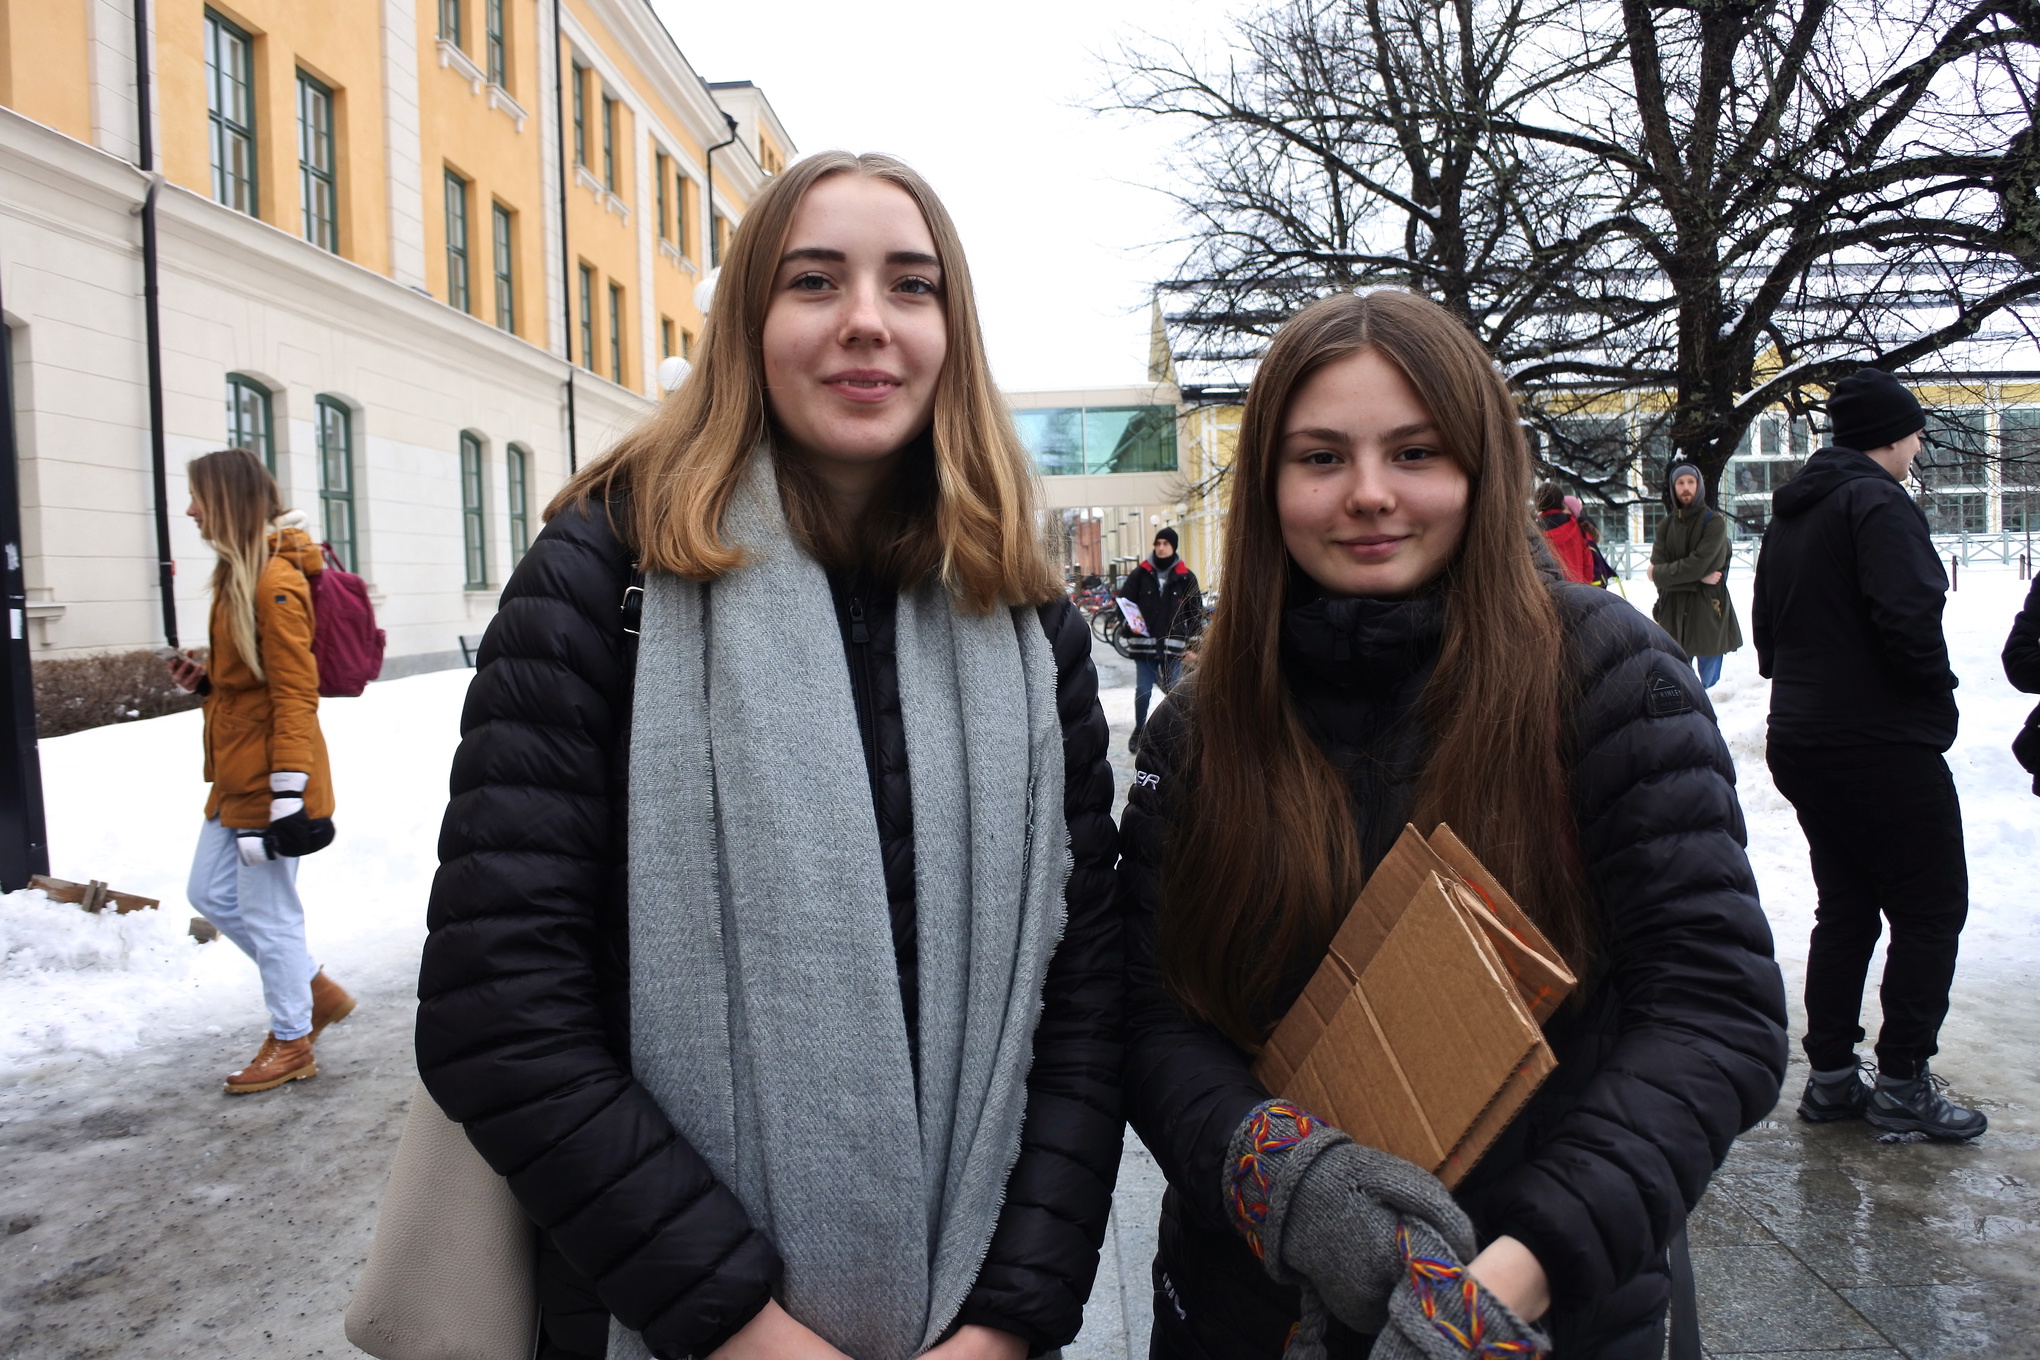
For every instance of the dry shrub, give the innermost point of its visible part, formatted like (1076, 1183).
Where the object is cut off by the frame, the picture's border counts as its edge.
(90, 691)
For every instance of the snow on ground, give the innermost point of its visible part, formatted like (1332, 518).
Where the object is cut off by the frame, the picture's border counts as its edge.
(125, 802)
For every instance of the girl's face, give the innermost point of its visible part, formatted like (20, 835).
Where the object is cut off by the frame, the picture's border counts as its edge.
(1369, 502)
(854, 333)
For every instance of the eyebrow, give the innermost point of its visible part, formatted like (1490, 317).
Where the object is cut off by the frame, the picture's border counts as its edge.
(1342, 437)
(831, 256)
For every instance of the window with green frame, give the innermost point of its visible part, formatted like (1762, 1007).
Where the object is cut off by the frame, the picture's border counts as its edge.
(661, 175)
(457, 293)
(506, 282)
(249, 423)
(609, 143)
(450, 22)
(588, 318)
(230, 109)
(499, 46)
(336, 477)
(616, 332)
(517, 480)
(473, 524)
(580, 114)
(315, 164)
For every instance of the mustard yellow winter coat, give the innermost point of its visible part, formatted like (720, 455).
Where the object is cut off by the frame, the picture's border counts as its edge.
(253, 727)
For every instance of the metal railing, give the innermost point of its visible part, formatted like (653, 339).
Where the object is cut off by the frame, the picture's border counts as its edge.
(2012, 548)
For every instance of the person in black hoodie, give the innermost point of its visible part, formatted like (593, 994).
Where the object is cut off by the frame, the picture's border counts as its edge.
(841, 371)
(1393, 654)
(1164, 589)
(1847, 620)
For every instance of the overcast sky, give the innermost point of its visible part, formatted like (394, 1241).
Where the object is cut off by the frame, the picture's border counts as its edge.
(989, 103)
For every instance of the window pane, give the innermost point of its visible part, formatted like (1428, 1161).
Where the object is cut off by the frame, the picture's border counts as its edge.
(472, 525)
(516, 470)
(450, 21)
(1055, 438)
(580, 115)
(230, 108)
(248, 419)
(588, 318)
(457, 241)
(1130, 439)
(665, 206)
(1952, 450)
(609, 144)
(2019, 433)
(506, 297)
(615, 333)
(1957, 514)
(336, 478)
(315, 164)
(498, 47)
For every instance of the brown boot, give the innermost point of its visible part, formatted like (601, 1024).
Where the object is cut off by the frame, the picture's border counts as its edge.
(331, 1003)
(280, 1060)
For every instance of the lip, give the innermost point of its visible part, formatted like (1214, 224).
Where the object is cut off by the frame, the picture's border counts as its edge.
(863, 384)
(1373, 547)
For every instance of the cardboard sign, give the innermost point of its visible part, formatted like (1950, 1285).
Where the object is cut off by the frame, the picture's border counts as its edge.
(1420, 1033)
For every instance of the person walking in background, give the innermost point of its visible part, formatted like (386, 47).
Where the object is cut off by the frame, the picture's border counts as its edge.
(1164, 589)
(1561, 529)
(1603, 572)
(778, 968)
(2022, 668)
(1847, 619)
(1390, 653)
(1688, 563)
(272, 792)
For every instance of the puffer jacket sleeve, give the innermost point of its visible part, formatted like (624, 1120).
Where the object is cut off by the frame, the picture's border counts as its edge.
(283, 630)
(518, 966)
(1683, 955)
(1044, 1254)
(1187, 1086)
(2022, 648)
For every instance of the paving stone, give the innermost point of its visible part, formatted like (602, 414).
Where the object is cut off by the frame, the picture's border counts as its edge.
(1848, 1228)
(1952, 1322)
(1755, 1298)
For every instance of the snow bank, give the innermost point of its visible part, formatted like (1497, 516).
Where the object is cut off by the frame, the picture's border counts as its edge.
(125, 804)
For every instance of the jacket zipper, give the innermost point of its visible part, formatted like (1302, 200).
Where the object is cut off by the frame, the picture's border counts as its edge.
(860, 679)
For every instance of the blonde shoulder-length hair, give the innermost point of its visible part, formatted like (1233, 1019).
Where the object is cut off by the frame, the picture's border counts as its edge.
(672, 478)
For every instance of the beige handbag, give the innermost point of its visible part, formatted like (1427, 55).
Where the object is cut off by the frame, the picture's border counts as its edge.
(451, 1273)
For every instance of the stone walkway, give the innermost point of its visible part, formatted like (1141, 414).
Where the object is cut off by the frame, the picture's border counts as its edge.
(146, 1216)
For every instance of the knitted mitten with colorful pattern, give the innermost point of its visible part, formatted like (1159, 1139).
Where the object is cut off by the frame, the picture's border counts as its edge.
(1354, 1227)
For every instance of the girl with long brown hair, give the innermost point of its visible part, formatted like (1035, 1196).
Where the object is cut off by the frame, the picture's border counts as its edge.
(272, 792)
(776, 897)
(1397, 648)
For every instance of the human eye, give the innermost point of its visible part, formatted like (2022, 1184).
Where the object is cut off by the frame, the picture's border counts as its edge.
(1318, 458)
(1418, 453)
(810, 282)
(918, 286)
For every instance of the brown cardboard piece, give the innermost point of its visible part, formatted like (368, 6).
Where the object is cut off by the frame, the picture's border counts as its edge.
(1419, 1033)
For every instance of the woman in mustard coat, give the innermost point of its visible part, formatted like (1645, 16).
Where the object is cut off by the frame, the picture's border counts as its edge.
(272, 791)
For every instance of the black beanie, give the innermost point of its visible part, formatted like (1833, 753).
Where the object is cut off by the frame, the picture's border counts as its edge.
(1166, 532)
(1870, 409)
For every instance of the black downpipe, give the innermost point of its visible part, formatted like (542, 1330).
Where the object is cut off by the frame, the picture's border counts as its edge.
(708, 156)
(166, 564)
(24, 838)
(566, 250)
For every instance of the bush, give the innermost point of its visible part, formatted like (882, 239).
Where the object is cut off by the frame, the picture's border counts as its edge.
(91, 691)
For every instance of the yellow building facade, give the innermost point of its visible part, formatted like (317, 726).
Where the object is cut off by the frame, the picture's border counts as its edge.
(400, 241)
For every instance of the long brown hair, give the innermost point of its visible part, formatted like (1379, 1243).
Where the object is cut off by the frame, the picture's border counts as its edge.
(1263, 862)
(965, 511)
(237, 504)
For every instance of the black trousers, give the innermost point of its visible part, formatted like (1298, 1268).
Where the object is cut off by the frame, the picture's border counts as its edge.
(1885, 829)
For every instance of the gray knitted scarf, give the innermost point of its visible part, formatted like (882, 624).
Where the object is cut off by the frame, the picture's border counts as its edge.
(765, 1004)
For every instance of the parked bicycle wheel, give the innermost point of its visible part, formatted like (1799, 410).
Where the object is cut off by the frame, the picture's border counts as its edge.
(1103, 621)
(1121, 637)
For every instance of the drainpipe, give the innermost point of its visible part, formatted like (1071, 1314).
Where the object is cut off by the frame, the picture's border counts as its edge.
(166, 564)
(566, 251)
(24, 839)
(709, 158)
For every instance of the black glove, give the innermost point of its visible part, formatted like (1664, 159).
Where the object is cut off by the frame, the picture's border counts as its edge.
(291, 833)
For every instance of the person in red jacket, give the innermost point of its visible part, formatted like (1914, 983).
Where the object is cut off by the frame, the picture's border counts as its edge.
(1562, 532)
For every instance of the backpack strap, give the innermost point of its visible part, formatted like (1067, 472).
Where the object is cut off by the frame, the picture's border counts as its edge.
(633, 610)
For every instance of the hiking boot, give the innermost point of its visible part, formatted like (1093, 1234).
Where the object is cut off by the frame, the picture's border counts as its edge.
(1837, 1095)
(1918, 1106)
(280, 1060)
(330, 1003)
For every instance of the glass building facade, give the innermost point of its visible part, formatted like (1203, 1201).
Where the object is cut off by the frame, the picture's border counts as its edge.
(1066, 440)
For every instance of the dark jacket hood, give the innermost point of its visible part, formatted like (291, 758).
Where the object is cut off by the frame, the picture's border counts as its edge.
(1827, 469)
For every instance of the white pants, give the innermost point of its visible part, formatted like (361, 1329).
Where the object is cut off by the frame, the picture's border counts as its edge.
(256, 906)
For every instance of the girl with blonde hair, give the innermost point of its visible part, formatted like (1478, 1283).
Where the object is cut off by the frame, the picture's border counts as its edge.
(775, 894)
(272, 791)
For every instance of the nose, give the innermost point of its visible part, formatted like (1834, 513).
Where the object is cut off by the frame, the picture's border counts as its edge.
(864, 315)
(1369, 490)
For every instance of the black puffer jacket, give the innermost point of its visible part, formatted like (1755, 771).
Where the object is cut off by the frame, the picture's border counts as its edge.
(1678, 1047)
(1846, 611)
(523, 1019)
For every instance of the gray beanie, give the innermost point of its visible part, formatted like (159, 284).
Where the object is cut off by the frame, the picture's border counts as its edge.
(1684, 470)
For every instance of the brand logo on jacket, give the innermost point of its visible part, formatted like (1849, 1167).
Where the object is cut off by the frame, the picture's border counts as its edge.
(1664, 697)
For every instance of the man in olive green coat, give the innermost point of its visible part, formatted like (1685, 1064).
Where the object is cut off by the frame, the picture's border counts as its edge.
(1687, 563)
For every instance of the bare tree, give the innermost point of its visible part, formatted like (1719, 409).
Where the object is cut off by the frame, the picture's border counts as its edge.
(1708, 208)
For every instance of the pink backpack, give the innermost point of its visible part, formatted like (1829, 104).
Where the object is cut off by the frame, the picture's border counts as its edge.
(345, 641)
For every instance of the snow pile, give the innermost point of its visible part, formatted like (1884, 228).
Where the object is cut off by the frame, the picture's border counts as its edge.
(125, 804)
